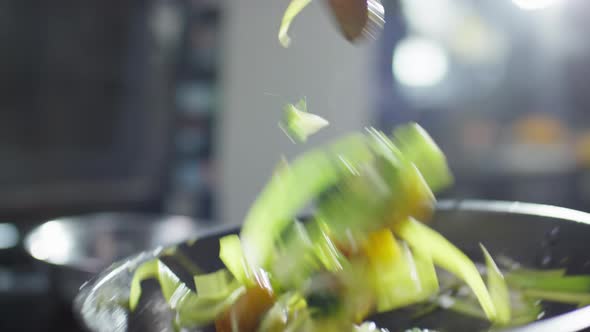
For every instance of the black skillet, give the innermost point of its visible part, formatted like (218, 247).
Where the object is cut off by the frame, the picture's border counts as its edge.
(535, 235)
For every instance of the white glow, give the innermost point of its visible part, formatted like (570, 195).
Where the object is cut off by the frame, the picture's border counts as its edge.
(419, 62)
(534, 4)
(175, 229)
(52, 243)
(8, 236)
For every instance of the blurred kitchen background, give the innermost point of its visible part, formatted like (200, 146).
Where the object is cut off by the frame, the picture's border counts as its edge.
(170, 108)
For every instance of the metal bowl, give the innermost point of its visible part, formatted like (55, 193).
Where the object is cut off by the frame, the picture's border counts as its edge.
(535, 235)
(77, 248)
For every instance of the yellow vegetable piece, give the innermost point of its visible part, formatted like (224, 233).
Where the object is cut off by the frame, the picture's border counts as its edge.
(381, 247)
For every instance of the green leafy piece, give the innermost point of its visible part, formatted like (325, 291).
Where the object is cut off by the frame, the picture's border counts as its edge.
(291, 188)
(388, 190)
(498, 289)
(357, 206)
(410, 194)
(550, 282)
(404, 281)
(173, 289)
(295, 259)
(230, 253)
(325, 250)
(214, 285)
(557, 296)
(449, 257)
(417, 145)
(426, 272)
(299, 124)
(303, 250)
(191, 309)
(145, 271)
(294, 8)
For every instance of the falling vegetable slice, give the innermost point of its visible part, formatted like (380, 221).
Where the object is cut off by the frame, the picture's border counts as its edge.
(449, 257)
(294, 8)
(417, 145)
(497, 288)
(299, 124)
(326, 251)
(291, 188)
(388, 190)
(296, 259)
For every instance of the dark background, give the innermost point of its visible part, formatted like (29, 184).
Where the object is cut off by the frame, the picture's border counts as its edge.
(97, 113)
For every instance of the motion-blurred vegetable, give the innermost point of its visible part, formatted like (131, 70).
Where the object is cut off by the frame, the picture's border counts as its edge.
(299, 124)
(365, 249)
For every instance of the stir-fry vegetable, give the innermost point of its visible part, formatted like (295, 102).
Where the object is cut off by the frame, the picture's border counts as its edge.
(299, 124)
(366, 249)
(294, 8)
(450, 258)
(498, 289)
(291, 188)
(230, 253)
(193, 309)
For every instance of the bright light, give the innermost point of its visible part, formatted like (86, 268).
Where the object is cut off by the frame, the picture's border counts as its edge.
(534, 4)
(419, 62)
(431, 17)
(52, 243)
(8, 236)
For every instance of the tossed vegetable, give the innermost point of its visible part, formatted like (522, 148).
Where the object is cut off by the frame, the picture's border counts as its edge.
(294, 8)
(291, 188)
(299, 124)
